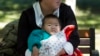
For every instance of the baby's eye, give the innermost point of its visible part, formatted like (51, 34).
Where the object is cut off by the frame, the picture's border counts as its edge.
(49, 25)
(56, 25)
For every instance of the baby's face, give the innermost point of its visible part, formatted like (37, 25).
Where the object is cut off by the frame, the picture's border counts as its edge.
(52, 26)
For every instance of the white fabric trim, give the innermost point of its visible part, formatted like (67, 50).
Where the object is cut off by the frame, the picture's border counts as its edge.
(27, 52)
(68, 47)
(38, 14)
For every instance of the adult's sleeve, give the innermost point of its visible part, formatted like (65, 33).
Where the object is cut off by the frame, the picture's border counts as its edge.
(74, 37)
(23, 33)
(68, 18)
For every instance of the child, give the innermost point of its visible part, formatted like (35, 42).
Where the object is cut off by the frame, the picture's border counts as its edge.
(42, 41)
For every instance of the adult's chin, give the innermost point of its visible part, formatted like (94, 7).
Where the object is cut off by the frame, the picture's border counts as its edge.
(57, 6)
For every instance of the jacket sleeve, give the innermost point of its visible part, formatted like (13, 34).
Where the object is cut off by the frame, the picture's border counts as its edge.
(34, 39)
(67, 17)
(23, 33)
(74, 37)
(25, 26)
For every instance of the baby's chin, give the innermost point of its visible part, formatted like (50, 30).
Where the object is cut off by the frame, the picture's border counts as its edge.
(52, 33)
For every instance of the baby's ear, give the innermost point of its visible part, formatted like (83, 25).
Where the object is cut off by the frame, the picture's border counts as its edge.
(68, 30)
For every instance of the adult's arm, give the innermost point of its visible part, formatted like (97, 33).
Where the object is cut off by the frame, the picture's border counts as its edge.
(25, 26)
(67, 17)
(23, 32)
(74, 37)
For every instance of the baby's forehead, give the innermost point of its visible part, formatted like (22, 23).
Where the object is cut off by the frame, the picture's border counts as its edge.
(52, 19)
(51, 22)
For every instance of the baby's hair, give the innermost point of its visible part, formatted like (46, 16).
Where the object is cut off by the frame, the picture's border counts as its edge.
(50, 16)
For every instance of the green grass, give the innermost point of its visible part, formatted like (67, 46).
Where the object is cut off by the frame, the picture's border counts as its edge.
(86, 19)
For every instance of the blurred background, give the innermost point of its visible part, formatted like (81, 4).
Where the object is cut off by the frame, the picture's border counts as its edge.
(87, 13)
